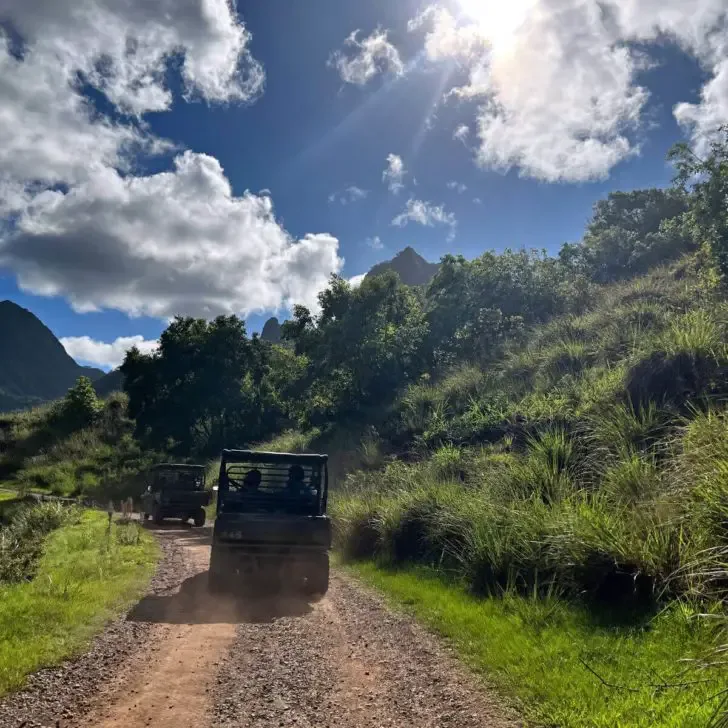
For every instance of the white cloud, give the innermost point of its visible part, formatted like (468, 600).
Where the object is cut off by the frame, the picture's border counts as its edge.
(556, 81)
(375, 243)
(349, 195)
(177, 242)
(477, 201)
(356, 281)
(427, 214)
(75, 219)
(461, 133)
(362, 60)
(107, 355)
(459, 187)
(124, 48)
(394, 173)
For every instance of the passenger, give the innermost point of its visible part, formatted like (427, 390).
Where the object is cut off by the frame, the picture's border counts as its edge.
(252, 480)
(297, 485)
(296, 479)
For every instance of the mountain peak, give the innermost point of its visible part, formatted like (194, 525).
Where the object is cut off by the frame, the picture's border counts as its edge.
(410, 266)
(34, 367)
(271, 331)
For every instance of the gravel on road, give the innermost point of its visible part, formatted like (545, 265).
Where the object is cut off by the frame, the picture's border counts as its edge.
(185, 658)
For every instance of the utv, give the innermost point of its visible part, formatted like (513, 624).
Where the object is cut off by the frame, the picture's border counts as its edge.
(271, 530)
(176, 491)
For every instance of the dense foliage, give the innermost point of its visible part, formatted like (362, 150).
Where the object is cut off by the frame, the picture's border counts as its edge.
(211, 385)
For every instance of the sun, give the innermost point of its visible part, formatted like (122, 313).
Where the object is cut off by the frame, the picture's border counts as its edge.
(498, 19)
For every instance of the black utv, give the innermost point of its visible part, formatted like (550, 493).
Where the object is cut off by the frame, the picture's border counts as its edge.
(176, 491)
(271, 530)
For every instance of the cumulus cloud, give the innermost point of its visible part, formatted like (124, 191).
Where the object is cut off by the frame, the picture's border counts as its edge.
(75, 218)
(103, 354)
(361, 60)
(123, 48)
(349, 195)
(394, 173)
(427, 214)
(556, 81)
(176, 242)
(459, 187)
(50, 133)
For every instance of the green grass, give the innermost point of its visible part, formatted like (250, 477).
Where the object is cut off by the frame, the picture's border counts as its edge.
(86, 576)
(6, 495)
(536, 652)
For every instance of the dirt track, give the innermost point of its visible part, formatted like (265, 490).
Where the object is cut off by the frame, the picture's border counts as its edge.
(200, 660)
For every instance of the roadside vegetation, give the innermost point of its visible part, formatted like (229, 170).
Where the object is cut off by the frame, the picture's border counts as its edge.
(559, 662)
(80, 446)
(63, 574)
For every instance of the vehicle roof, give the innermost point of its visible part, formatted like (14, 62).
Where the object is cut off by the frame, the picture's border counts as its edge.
(176, 466)
(257, 456)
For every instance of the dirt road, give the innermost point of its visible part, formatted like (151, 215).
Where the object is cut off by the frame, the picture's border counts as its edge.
(201, 660)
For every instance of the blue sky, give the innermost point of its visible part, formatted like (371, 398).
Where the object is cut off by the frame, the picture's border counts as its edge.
(134, 206)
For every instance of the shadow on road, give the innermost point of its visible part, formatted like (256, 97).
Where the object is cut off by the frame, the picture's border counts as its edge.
(194, 604)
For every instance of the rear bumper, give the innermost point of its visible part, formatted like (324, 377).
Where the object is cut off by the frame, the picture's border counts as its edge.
(270, 533)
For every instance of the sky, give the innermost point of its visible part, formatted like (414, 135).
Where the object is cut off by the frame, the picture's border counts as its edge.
(196, 157)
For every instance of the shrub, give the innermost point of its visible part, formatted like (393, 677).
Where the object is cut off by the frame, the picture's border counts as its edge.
(79, 408)
(21, 542)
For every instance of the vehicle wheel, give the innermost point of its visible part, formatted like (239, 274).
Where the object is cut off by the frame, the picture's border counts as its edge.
(199, 518)
(317, 580)
(158, 516)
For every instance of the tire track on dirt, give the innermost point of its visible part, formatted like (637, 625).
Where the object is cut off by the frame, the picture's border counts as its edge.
(195, 632)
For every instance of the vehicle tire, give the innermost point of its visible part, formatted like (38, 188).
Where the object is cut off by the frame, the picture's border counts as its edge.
(157, 515)
(199, 518)
(317, 579)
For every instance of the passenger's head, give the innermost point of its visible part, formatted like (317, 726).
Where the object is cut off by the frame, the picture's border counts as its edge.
(296, 474)
(253, 478)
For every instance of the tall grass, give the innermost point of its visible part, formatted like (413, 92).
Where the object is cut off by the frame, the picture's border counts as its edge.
(588, 458)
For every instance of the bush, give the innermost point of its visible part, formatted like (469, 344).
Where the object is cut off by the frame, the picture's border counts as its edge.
(79, 408)
(21, 542)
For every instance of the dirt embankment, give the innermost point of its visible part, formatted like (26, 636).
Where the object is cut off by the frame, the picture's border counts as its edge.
(185, 658)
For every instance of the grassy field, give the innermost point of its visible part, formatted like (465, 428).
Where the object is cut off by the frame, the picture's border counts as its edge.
(86, 575)
(540, 653)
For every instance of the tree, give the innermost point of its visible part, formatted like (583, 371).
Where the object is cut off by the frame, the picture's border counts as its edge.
(79, 408)
(629, 233)
(205, 388)
(474, 306)
(706, 179)
(363, 346)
